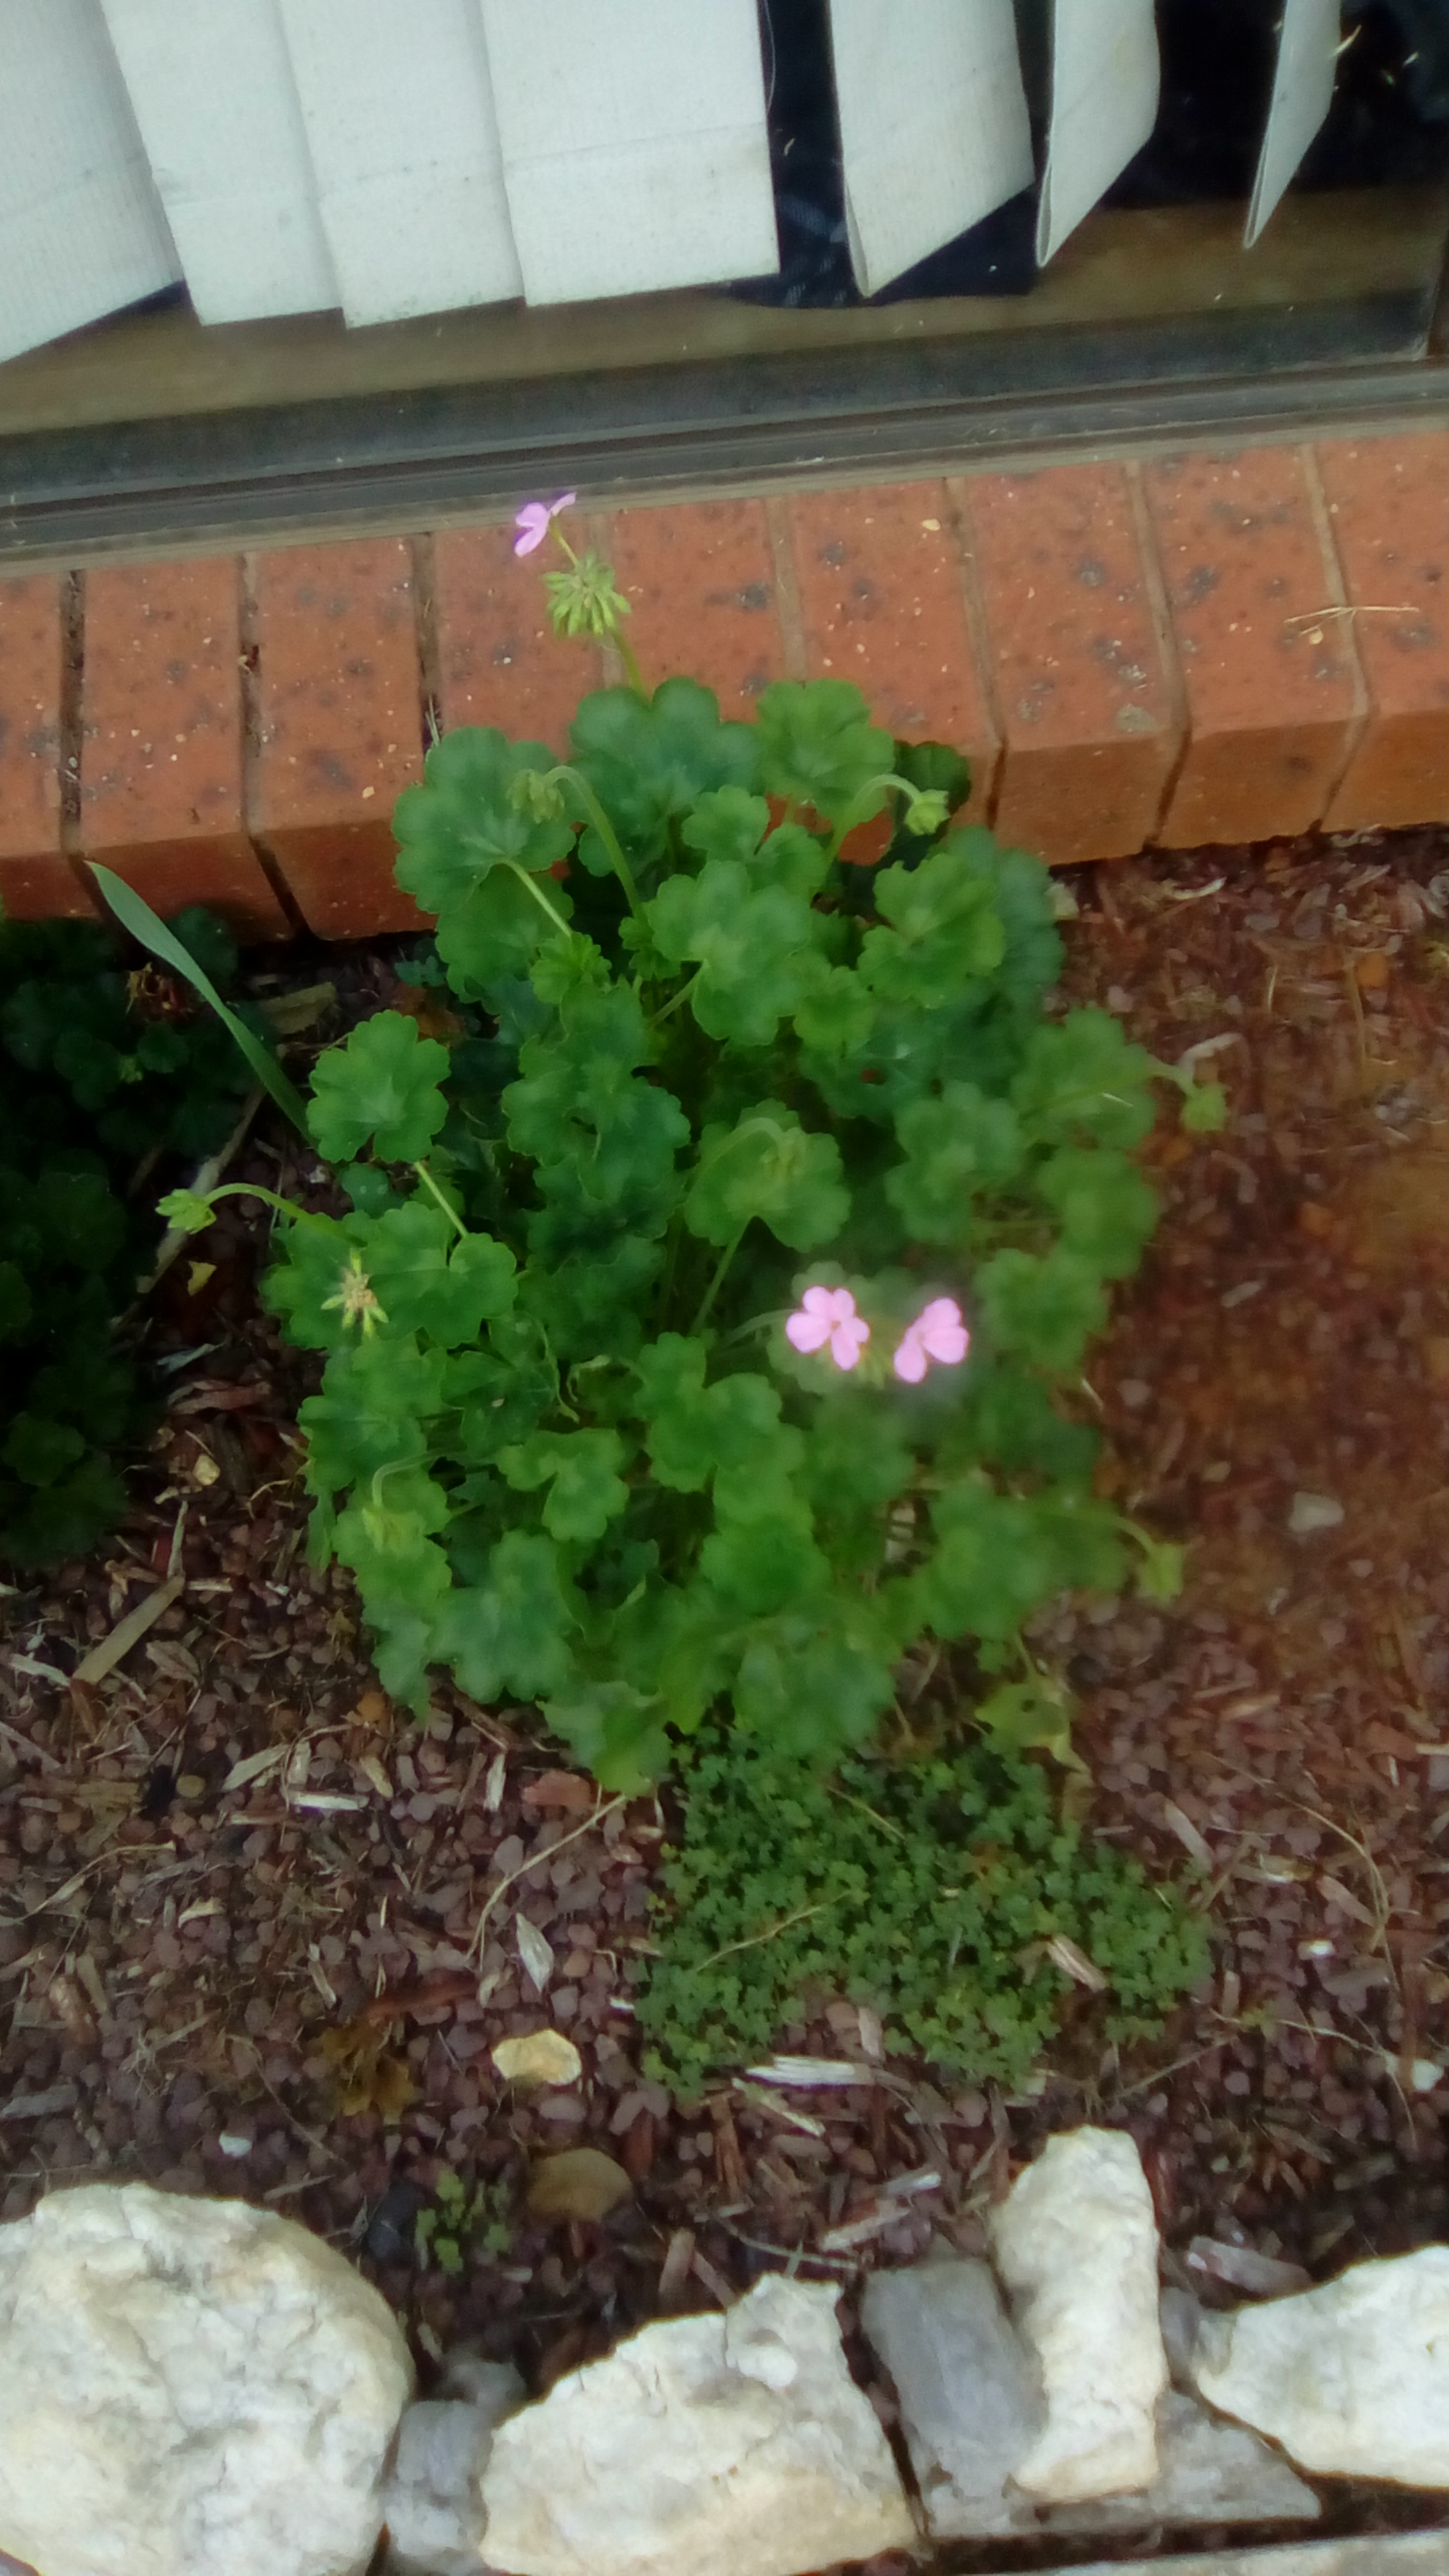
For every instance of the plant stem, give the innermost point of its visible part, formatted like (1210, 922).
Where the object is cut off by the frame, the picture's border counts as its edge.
(606, 832)
(539, 897)
(682, 995)
(428, 1182)
(287, 1207)
(717, 1282)
(626, 656)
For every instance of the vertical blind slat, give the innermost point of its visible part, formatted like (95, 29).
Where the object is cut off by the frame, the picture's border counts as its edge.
(1302, 96)
(1105, 76)
(936, 93)
(398, 108)
(214, 97)
(634, 142)
(81, 227)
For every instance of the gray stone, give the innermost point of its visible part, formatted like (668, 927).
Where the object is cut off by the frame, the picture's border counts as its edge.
(433, 2501)
(705, 2446)
(187, 2385)
(1352, 2378)
(971, 2404)
(1396, 2553)
(1208, 2471)
(1180, 2316)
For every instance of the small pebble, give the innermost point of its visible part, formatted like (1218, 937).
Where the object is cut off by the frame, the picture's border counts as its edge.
(1312, 1512)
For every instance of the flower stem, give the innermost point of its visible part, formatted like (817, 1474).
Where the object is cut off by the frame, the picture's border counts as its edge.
(717, 1282)
(673, 1005)
(539, 897)
(287, 1207)
(631, 666)
(606, 833)
(428, 1182)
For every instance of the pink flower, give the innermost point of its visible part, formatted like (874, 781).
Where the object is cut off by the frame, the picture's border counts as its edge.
(534, 519)
(937, 1334)
(828, 1315)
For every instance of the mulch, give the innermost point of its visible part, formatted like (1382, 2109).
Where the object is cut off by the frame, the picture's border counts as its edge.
(259, 1929)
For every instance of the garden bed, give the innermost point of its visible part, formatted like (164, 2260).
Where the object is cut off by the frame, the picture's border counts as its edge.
(272, 1987)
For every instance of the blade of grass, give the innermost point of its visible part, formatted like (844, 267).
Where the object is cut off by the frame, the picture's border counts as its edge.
(135, 915)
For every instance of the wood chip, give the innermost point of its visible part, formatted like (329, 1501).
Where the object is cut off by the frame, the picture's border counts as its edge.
(129, 1631)
(494, 1784)
(534, 1951)
(801, 2073)
(712, 2280)
(563, 1791)
(1258, 2276)
(254, 1766)
(1075, 1964)
(676, 2268)
(1187, 1834)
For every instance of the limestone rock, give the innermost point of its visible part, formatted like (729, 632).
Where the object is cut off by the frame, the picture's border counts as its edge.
(706, 2444)
(433, 2502)
(189, 2384)
(971, 2408)
(1076, 2244)
(1352, 2378)
(1208, 2472)
(971, 2404)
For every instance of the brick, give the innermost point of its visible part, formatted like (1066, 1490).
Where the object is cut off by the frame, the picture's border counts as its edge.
(700, 580)
(1081, 687)
(161, 741)
(339, 722)
(1388, 504)
(1273, 694)
(882, 593)
(499, 661)
(36, 880)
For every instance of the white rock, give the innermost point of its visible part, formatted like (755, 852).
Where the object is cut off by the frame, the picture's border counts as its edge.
(1076, 2244)
(189, 2385)
(1352, 2379)
(705, 2446)
(971, 2403)
(1208, 2472)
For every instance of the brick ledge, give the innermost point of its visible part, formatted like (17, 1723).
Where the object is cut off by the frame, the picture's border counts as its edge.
(1181, 650)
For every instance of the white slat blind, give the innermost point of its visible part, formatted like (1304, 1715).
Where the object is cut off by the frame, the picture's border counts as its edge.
(934, 131)
(1302, 95)
(1105, 76)
(634, 143)
(217, 107)
(81, 226)
(398, 109)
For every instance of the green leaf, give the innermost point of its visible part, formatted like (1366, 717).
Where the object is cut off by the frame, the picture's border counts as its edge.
(39, 1452)
(589, 1305)
(694, 1432)
(1105, 1209)
(935, 766)
(1008, 1418)
(761, 1564)
(1083, 1079)
(767, 1166)
(819, 748)
(617, 1732)
(136, 915)
(376, 1399)
(53, 1522)
(462, 823)
(581, 1470)
(510, 1633)
(16, 1304)
(813, 1680)
(957, 1148)
(429, 1280)
(1026, 1717)
(649, 765)
(1160, 1569)
(383, 1084)
(495, 930)
(836, 1017)
(993, 1565)
(944, 930)
(1046, 1309)
(756, 949)
(728, 824)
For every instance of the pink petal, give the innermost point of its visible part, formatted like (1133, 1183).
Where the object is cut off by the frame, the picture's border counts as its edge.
(806, 1332)
(848, 1341)
(941, 1310)
(910, 1359)
(566, 503)
(948, 1343)
(533, 520)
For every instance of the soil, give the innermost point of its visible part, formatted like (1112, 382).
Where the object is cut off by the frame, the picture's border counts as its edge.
(259, 1930)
